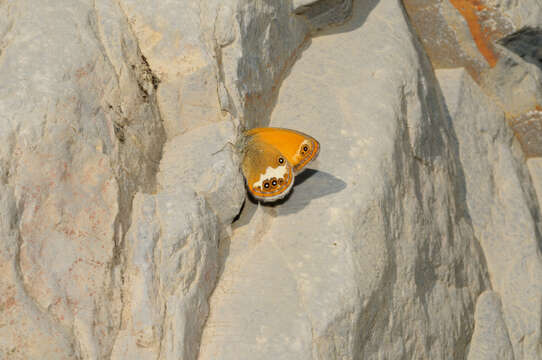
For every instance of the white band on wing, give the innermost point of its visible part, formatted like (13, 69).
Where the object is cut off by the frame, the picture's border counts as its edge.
(270, 173)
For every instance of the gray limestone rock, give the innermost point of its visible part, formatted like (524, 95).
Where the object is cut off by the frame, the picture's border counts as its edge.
(414, 235)
(373, 255)
(205, 160)
(503, 208)
(490, 339)
(171, 264)
(522, 12)
(322, 14)
(74, 90)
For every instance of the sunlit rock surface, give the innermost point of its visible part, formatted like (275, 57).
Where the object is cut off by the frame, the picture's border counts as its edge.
(125, 230)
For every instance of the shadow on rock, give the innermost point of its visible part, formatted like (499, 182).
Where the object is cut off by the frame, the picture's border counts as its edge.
(360, 11)
(526, 43)
(309, 185)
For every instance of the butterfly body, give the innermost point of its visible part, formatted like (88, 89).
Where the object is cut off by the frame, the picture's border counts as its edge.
(271, 159)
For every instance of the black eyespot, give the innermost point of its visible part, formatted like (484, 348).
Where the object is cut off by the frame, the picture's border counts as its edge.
(266, 185)
(274, 183)
(305, 148)
(281, 181)
(281, 160)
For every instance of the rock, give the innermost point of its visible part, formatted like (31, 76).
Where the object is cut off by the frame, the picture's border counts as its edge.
(461, 33)
(526, 43)
(263, 41)
(502, 205)
(490, 339)
(322, 14)
(208, 166)
(171, 264)
(496, 42)
(535, 170)
(515, 83)
(522, 13)
(74, 91)
(22, 321)
(373, 254)
(169, 35)
(528, 128)
(414, 235)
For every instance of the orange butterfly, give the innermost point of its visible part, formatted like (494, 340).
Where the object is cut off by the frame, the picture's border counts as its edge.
(271, 159)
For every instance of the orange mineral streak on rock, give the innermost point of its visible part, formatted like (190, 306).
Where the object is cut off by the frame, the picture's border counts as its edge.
(469, 10)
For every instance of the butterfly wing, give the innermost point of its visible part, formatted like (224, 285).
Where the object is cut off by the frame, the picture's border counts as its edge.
(268, 173)
(299, 148)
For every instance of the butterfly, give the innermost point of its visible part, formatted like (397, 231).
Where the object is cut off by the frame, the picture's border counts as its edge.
(271, 159)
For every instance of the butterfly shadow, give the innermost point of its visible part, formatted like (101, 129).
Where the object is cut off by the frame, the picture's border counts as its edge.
(309, 185)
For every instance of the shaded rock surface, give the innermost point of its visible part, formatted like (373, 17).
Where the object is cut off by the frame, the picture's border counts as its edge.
(416, 234)
(503, 207)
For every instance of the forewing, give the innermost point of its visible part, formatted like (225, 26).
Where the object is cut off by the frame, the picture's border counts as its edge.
(299, 148)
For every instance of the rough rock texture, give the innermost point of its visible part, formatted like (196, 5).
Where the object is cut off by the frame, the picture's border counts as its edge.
(503, 207)
(496, 42)
(171, 262)
(74, 90)
(323, 13)
(490, 339)
(459, 33)
(415, 235)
